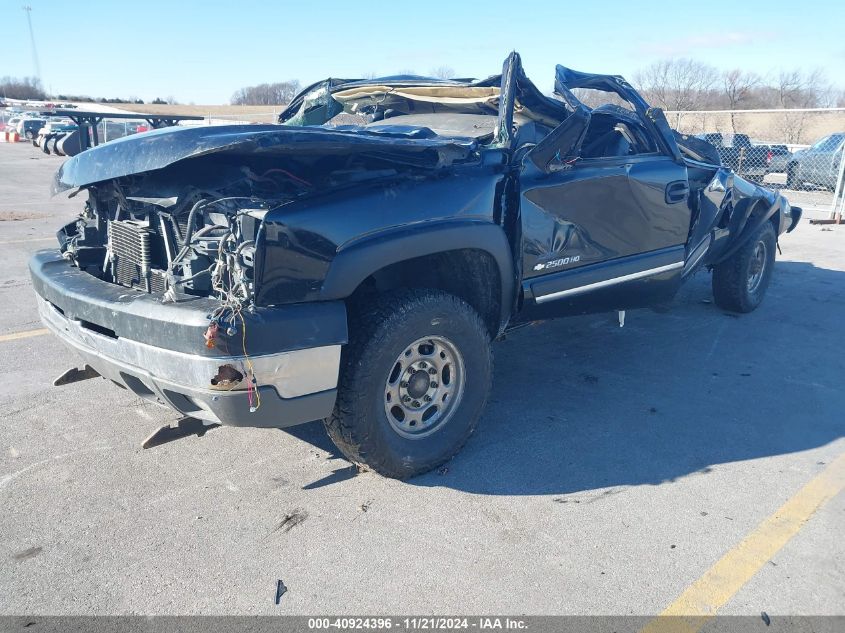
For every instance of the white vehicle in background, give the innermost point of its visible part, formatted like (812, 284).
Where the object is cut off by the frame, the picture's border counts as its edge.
(28, 127)
(12, 123)
(818, 164)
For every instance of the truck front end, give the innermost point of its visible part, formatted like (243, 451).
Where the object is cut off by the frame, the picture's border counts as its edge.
(154, 286)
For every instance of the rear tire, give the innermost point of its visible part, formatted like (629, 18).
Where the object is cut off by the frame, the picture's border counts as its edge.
(740, 282)
(414, 380)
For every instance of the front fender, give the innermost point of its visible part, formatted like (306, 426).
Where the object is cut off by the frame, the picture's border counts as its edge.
(363, 257)
(746, 224)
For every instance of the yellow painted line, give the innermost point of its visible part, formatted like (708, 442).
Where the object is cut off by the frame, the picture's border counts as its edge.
(19, 335)
(702, 599)
(32, 239)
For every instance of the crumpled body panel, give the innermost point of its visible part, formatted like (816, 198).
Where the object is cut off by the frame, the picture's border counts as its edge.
(159, 148)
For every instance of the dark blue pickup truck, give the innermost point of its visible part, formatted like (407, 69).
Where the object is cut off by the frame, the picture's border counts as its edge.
(271, 275)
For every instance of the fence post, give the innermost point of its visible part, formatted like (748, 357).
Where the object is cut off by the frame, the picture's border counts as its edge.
(837, 190)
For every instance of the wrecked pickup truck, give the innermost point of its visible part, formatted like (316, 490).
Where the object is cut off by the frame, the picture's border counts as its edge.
(271, 275)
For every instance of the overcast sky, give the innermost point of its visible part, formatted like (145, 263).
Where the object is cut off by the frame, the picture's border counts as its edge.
(202, 52)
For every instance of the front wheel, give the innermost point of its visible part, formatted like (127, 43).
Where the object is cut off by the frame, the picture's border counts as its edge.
(415, 377)
(740, 282)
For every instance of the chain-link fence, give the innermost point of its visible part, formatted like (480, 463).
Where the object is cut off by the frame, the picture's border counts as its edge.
(798, 151)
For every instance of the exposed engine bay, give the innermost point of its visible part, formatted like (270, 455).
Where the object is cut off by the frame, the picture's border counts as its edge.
(197, 240)
(192, 227)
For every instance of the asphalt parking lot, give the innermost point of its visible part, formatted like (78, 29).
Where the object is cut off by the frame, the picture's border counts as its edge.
(612, 469)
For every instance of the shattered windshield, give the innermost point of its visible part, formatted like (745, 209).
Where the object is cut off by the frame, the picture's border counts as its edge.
(423, 107)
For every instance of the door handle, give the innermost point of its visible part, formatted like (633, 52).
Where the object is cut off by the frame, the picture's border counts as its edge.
(677, 191)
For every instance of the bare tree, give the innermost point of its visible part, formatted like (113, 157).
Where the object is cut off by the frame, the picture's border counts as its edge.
(595, 98)
(280, 93)
(799, 89)
(738, 89)
(443, 72)
(23, 88)
(678, 83)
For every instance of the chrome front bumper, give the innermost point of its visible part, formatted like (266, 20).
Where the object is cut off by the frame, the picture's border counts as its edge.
(296, 385)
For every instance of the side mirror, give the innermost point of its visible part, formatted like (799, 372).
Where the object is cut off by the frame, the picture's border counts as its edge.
(563, 143)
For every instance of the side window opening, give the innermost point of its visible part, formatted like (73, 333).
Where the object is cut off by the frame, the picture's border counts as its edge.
(615, 132)
(615, 128)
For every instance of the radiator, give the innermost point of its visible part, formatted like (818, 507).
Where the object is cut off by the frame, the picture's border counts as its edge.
(129, 247)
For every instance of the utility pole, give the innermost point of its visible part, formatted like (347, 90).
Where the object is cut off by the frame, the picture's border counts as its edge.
(28, 10)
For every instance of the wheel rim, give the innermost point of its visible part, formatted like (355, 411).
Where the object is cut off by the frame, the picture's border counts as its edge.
(757, 267)
(424, 387)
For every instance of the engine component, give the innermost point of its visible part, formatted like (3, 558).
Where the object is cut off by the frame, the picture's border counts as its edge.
(129, 253)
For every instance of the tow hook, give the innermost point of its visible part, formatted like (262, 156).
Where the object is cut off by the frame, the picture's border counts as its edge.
(75, 374)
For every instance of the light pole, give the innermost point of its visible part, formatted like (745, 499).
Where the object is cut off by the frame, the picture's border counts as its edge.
(28, 10)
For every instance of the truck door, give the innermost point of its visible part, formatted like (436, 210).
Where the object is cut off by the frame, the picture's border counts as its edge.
(605, 215)
(606, 234)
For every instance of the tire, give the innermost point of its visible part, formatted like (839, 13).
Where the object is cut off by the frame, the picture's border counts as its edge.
(369, 423)
(740, 282)
(29, 136)
(792, 176)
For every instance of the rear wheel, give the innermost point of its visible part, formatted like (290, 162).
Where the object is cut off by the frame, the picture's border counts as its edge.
(740, 282)
(415, 377)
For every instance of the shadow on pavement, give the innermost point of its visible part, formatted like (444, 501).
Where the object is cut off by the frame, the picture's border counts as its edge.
(580, 404)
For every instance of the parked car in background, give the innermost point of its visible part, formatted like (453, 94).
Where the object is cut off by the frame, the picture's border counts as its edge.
(778, 159)
(740, 154)
(28, 128)
(818, 164)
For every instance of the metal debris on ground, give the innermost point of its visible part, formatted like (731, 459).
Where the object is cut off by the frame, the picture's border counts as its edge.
(280, 590)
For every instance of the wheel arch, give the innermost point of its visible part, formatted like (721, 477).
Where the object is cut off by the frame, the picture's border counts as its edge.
(755, 214)
(434, 256)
